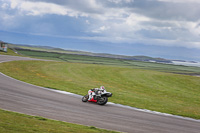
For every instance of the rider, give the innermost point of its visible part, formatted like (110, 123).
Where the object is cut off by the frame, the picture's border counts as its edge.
(94, 91)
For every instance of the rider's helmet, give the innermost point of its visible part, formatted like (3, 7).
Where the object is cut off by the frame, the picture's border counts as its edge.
(102, 88)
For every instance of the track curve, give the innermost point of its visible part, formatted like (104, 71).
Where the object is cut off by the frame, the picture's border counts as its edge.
(33, 100)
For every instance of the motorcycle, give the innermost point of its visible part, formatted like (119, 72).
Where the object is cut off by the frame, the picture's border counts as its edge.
(100, 96)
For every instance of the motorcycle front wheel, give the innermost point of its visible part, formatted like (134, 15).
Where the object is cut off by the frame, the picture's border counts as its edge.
(102, 100)
(85, 98)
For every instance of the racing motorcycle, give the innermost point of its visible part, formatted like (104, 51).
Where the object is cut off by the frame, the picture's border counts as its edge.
(99, 96)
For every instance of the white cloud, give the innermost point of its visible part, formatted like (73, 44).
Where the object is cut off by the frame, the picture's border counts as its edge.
(101, 29)
(120, 1)
(87, 21)
(14, 4)
(134, 21)
(4, 6)
(181, 1)
(42, 8)
(116, 21)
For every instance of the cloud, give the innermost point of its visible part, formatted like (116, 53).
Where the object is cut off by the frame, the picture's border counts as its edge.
(87, 21)
(39, 8)
(153, 22)
(181, 1)
(61, 7)
(120, 1)
(168, 10)
(101, 29)
(4, 6)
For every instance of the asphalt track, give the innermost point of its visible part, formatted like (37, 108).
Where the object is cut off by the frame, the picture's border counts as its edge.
(33, 100)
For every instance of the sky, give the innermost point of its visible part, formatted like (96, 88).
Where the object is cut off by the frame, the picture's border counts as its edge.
(158, 28)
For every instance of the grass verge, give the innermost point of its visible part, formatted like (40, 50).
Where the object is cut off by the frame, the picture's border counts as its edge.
(9, 52)
(153, 90)
(11, 122)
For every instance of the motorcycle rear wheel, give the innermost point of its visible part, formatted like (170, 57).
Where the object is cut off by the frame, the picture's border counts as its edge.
(102, 100)
(85, 98)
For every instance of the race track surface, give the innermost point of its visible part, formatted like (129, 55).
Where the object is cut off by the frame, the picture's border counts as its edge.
(33, 100)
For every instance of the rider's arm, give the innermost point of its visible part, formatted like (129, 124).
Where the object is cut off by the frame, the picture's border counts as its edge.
(93, 89)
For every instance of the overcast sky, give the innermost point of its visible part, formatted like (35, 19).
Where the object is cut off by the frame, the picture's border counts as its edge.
(157, 28)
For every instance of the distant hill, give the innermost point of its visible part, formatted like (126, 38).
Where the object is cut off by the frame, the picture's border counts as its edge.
(59, 50)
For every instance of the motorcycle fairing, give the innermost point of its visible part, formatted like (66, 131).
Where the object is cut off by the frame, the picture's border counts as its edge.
(92, 100)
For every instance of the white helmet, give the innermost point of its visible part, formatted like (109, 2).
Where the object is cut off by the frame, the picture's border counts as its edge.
(102, 88)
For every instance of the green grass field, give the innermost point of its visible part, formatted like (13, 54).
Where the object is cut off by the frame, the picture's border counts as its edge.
(9, 52)
(11, 122)
(112, 62)
(147, 89)
(145, 85)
